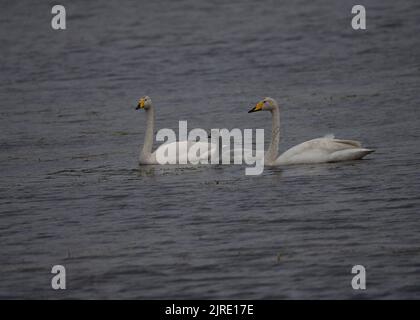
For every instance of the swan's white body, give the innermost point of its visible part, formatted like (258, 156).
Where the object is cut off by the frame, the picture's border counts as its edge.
(320, 150)
(179, 152)
(326, 149)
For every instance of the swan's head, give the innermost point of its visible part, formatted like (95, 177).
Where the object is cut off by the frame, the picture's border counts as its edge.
(144, 103)
(266, 104)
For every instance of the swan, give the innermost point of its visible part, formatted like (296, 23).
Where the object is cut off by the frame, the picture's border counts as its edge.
(185, 151)
(320, 150)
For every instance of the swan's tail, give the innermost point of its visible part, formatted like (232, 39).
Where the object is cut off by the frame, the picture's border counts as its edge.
(350, 154)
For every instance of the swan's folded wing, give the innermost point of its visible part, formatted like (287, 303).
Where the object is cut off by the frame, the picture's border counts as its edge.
(349, 154)
(316, 150)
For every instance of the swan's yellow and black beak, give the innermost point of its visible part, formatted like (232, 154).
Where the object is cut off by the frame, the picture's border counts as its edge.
(140, 105)
(258, 107)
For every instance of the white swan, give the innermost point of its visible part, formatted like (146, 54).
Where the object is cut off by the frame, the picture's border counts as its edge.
(326, 149)
(185, 151)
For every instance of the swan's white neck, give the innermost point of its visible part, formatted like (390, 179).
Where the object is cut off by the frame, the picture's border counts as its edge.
(148, 138)
(273, 150)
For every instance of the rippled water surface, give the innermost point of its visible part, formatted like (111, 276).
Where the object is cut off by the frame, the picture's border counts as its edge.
(71, 191)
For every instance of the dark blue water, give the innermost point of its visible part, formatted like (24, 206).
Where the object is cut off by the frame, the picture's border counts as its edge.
(71, 191)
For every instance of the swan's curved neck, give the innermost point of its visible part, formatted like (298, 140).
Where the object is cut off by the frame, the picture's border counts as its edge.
(273, 149)
(148, 138)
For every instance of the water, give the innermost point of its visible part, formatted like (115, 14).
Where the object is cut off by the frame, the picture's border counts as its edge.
(71, 191)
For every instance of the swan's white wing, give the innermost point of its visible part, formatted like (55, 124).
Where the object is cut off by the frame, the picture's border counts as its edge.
(325, 149)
